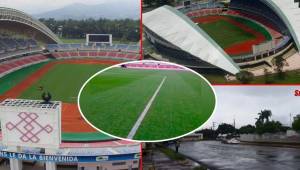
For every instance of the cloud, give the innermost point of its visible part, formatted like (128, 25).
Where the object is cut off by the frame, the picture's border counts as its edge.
(39, 6)
(244, 102)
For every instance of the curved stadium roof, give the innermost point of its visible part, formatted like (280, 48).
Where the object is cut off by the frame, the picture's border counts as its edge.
(179, 30)
(289, 11)
(12, 15)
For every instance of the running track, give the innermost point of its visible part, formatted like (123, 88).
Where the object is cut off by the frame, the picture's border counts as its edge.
(72, 121)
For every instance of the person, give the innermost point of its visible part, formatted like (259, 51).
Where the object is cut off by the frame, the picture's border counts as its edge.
(177, 145)
(46, 96)
(41, 88)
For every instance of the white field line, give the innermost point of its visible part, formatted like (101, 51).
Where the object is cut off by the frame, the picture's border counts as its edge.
(145, 111)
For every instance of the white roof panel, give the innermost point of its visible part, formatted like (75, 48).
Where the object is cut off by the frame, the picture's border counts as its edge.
(289, 11)
(179, 30)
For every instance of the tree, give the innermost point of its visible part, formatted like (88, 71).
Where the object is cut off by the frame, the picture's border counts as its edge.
(247, 129)
(148, 2)
(267, 77)
(259, 121)
(266, 114)
(225, 129)
(263, 115)
(121, 29)
(208, 133)
(264, 125)
(270, 127)
(245, 77)
(296, 123)
(279, 62)
(163, 2)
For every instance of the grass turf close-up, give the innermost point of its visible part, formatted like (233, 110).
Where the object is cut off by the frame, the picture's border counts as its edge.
(184, 102)
(113, 101)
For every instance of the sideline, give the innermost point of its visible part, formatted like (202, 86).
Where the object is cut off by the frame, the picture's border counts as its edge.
(145, 111)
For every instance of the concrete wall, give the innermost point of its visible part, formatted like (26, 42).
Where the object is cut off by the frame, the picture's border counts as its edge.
(288, 137)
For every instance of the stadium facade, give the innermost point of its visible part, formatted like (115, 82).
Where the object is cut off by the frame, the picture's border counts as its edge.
(173, 31)
(31, 132)
(19, 21)
(24, 41)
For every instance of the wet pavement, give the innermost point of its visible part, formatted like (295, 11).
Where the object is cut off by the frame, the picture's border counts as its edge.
(159, 161)
(240, 157)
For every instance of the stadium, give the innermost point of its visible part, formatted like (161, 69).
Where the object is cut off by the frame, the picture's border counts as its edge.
(34, 60)
(227, 36)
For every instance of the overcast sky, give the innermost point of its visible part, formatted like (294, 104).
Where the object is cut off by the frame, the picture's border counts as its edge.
(39, 6)
(244, 102)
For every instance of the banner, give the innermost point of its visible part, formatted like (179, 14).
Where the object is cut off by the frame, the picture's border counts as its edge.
(66, 158)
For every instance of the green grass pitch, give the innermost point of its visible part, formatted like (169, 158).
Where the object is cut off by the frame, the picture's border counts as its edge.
(228, 35)
(253, 25)
(113, 101)
(231, 34)
(63, 81)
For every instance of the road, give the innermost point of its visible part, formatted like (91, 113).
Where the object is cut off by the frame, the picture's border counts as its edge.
(239, 157)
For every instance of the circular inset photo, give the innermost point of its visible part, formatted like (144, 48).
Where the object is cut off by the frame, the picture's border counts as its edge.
(147, 101)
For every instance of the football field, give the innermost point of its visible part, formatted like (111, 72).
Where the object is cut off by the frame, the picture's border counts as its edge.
(63, 81)
(226, 34)
(114, 100)
(235, 35)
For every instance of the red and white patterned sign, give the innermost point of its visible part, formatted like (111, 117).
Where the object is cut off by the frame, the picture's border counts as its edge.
(29, 127)
(30, 123)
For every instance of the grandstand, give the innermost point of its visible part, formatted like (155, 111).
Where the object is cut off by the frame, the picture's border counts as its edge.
(153, 66)
(25, 41)
(30, 53)
(9, 45)
(261, 31)
(116, 51)
(17, 60)
(83, 47)
(11, 65)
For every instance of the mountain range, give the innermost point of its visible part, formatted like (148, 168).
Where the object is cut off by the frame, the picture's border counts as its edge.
(109, 10)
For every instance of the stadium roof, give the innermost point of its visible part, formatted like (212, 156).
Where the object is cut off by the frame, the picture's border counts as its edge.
(289, 11)
(179, 30)
(12, 15)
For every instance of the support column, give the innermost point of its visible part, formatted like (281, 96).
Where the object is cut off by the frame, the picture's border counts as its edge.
(50, 165)
(15, 164)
